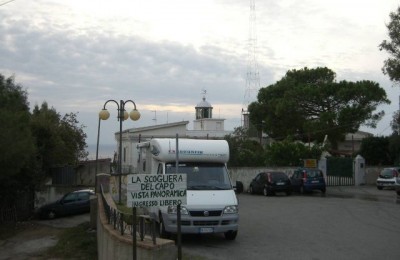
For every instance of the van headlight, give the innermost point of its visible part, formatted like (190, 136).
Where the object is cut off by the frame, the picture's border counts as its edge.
(231, 209)
(174, 210)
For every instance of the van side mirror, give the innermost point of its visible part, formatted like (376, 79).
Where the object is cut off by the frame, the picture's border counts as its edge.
(239, 187)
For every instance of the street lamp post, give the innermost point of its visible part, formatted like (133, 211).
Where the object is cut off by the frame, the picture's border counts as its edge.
(97, 156)
(122, 115)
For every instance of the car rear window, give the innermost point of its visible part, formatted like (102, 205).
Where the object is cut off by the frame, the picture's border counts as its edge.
(278, 175)
(314, 173)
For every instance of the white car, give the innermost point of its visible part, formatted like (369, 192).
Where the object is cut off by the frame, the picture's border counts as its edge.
(387, 178)
(397, 186)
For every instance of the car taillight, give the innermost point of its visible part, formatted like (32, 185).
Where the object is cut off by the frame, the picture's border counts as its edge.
(304, 177)
(395, 174)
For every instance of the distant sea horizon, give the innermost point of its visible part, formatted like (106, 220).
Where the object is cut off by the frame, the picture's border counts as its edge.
(105, 151)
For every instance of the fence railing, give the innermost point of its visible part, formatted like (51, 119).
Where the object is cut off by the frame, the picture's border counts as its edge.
(8, 214)
(19, 208)
(126, 223)
(339, 181)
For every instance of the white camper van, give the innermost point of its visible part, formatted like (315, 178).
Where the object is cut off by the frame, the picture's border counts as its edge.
(212, 206)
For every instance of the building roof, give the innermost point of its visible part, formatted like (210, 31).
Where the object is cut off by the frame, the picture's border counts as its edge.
(359, 135)
(155, 127)
(203, 104)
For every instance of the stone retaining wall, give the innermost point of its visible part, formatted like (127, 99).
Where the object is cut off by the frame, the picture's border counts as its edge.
(112, 245)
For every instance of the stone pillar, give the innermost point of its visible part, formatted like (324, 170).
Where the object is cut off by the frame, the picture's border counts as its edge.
(322, 165)
(359, 170)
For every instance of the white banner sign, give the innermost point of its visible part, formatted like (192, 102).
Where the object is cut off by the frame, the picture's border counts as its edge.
(156, 190)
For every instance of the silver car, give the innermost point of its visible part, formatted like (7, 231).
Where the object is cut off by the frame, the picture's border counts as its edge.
(387, 178)
(397, 186)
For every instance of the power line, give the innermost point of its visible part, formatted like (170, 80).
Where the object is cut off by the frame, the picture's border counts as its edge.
(1, 4)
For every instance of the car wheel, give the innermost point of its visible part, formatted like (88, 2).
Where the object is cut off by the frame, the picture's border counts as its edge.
(251, 191)
(267, 192)
(230, 235)
(51, 214)
(398, 192)
(288, 193)
(163, 233)
(379, 187)
(323, 190)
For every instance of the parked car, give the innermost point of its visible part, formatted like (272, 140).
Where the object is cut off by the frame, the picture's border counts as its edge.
(76, 202)
(308, 179)
(387, 178)
(268, 183)
(397, 186)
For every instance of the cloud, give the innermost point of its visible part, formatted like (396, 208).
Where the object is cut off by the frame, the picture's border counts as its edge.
(77, 54)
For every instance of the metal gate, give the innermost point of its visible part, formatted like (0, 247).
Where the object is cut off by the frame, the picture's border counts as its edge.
(339, 171)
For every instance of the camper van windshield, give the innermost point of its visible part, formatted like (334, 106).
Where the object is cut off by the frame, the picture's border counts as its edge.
(203, 176)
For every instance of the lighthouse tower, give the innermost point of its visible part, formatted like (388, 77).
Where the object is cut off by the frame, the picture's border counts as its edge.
(204, 120)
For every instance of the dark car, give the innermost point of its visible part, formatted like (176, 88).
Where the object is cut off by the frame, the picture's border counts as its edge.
(307, 180)
(76, 202)
(268, 183)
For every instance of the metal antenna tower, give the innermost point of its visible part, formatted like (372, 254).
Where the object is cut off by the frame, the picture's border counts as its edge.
(252, 77)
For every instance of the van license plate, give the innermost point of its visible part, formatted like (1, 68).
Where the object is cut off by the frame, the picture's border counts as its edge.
(206, 230)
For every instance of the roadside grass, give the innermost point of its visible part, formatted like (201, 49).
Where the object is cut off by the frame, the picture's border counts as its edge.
(74, 243)
(79, 242)
(7, 230)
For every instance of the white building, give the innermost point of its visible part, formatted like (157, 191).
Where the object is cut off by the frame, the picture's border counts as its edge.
(205, 127)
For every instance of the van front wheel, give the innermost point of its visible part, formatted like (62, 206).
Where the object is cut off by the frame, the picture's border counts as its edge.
(230, 235)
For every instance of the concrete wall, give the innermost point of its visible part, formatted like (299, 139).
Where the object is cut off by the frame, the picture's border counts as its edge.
(243, 174)
(85, 173)
(371, 174)
(246, 174)
(112, 245)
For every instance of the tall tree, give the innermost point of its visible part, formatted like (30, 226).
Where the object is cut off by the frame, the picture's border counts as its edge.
(244, 151)
(60, 141)
(309, 104)
(375, 150)
(289, 153)
(392, 64)
(17, 150)
(395, 123)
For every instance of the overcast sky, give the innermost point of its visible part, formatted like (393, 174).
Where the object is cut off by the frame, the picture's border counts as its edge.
(77, 54)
